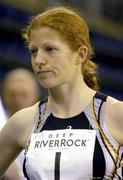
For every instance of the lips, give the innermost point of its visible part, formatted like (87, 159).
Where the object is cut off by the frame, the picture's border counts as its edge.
(42, 72)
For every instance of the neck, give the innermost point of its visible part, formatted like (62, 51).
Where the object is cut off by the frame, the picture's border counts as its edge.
(67, 101)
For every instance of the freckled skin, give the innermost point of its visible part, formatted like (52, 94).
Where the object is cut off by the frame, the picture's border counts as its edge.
(59, 69)
(51, 55)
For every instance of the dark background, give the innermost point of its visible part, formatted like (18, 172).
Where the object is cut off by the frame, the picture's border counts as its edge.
(105, 20)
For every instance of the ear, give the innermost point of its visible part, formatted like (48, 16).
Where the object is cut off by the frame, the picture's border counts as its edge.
(82, 54)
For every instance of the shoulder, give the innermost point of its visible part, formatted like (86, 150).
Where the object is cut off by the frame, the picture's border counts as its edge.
(24, 115)
(114, 107)
(114, 118)
(20, 125)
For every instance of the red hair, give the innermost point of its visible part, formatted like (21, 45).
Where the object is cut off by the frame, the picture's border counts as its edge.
(74, 30)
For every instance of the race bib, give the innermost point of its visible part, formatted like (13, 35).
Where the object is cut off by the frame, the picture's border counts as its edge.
(62, 154)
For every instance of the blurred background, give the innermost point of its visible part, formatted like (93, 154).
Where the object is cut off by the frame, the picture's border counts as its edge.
(104, 17)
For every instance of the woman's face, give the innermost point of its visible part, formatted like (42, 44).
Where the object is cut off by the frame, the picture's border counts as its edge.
(53, 61)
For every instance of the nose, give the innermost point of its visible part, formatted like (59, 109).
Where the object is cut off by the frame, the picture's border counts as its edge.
(40, 58)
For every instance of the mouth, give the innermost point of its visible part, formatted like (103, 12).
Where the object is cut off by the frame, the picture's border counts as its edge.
(43, 72)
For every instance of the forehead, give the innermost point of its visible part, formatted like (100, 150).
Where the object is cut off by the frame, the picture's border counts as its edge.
(20, 87)
(45, 34)
(18, 80)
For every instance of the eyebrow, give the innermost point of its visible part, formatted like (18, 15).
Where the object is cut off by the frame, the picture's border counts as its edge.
(52, 44)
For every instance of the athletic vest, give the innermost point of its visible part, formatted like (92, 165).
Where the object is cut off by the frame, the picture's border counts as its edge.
(76, 148)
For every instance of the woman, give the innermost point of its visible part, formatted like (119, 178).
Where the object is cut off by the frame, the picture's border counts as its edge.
(75, 133)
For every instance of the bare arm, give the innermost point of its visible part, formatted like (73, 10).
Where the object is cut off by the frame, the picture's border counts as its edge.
(115, 118)
(14, 136)
(12, 172)
(9, 143)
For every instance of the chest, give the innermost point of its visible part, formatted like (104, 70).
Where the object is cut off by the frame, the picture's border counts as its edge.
(67, 154)
(65, 149)
(55, 154)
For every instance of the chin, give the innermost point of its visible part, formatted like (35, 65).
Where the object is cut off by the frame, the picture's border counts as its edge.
(47, 84)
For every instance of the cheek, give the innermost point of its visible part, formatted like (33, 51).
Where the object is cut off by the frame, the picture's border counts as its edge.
(33, 65)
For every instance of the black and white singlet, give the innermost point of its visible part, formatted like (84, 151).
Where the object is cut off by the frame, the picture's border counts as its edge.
(76, 148)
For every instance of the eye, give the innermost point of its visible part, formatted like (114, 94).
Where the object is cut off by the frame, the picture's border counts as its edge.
(33, 51)
(50, 49)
